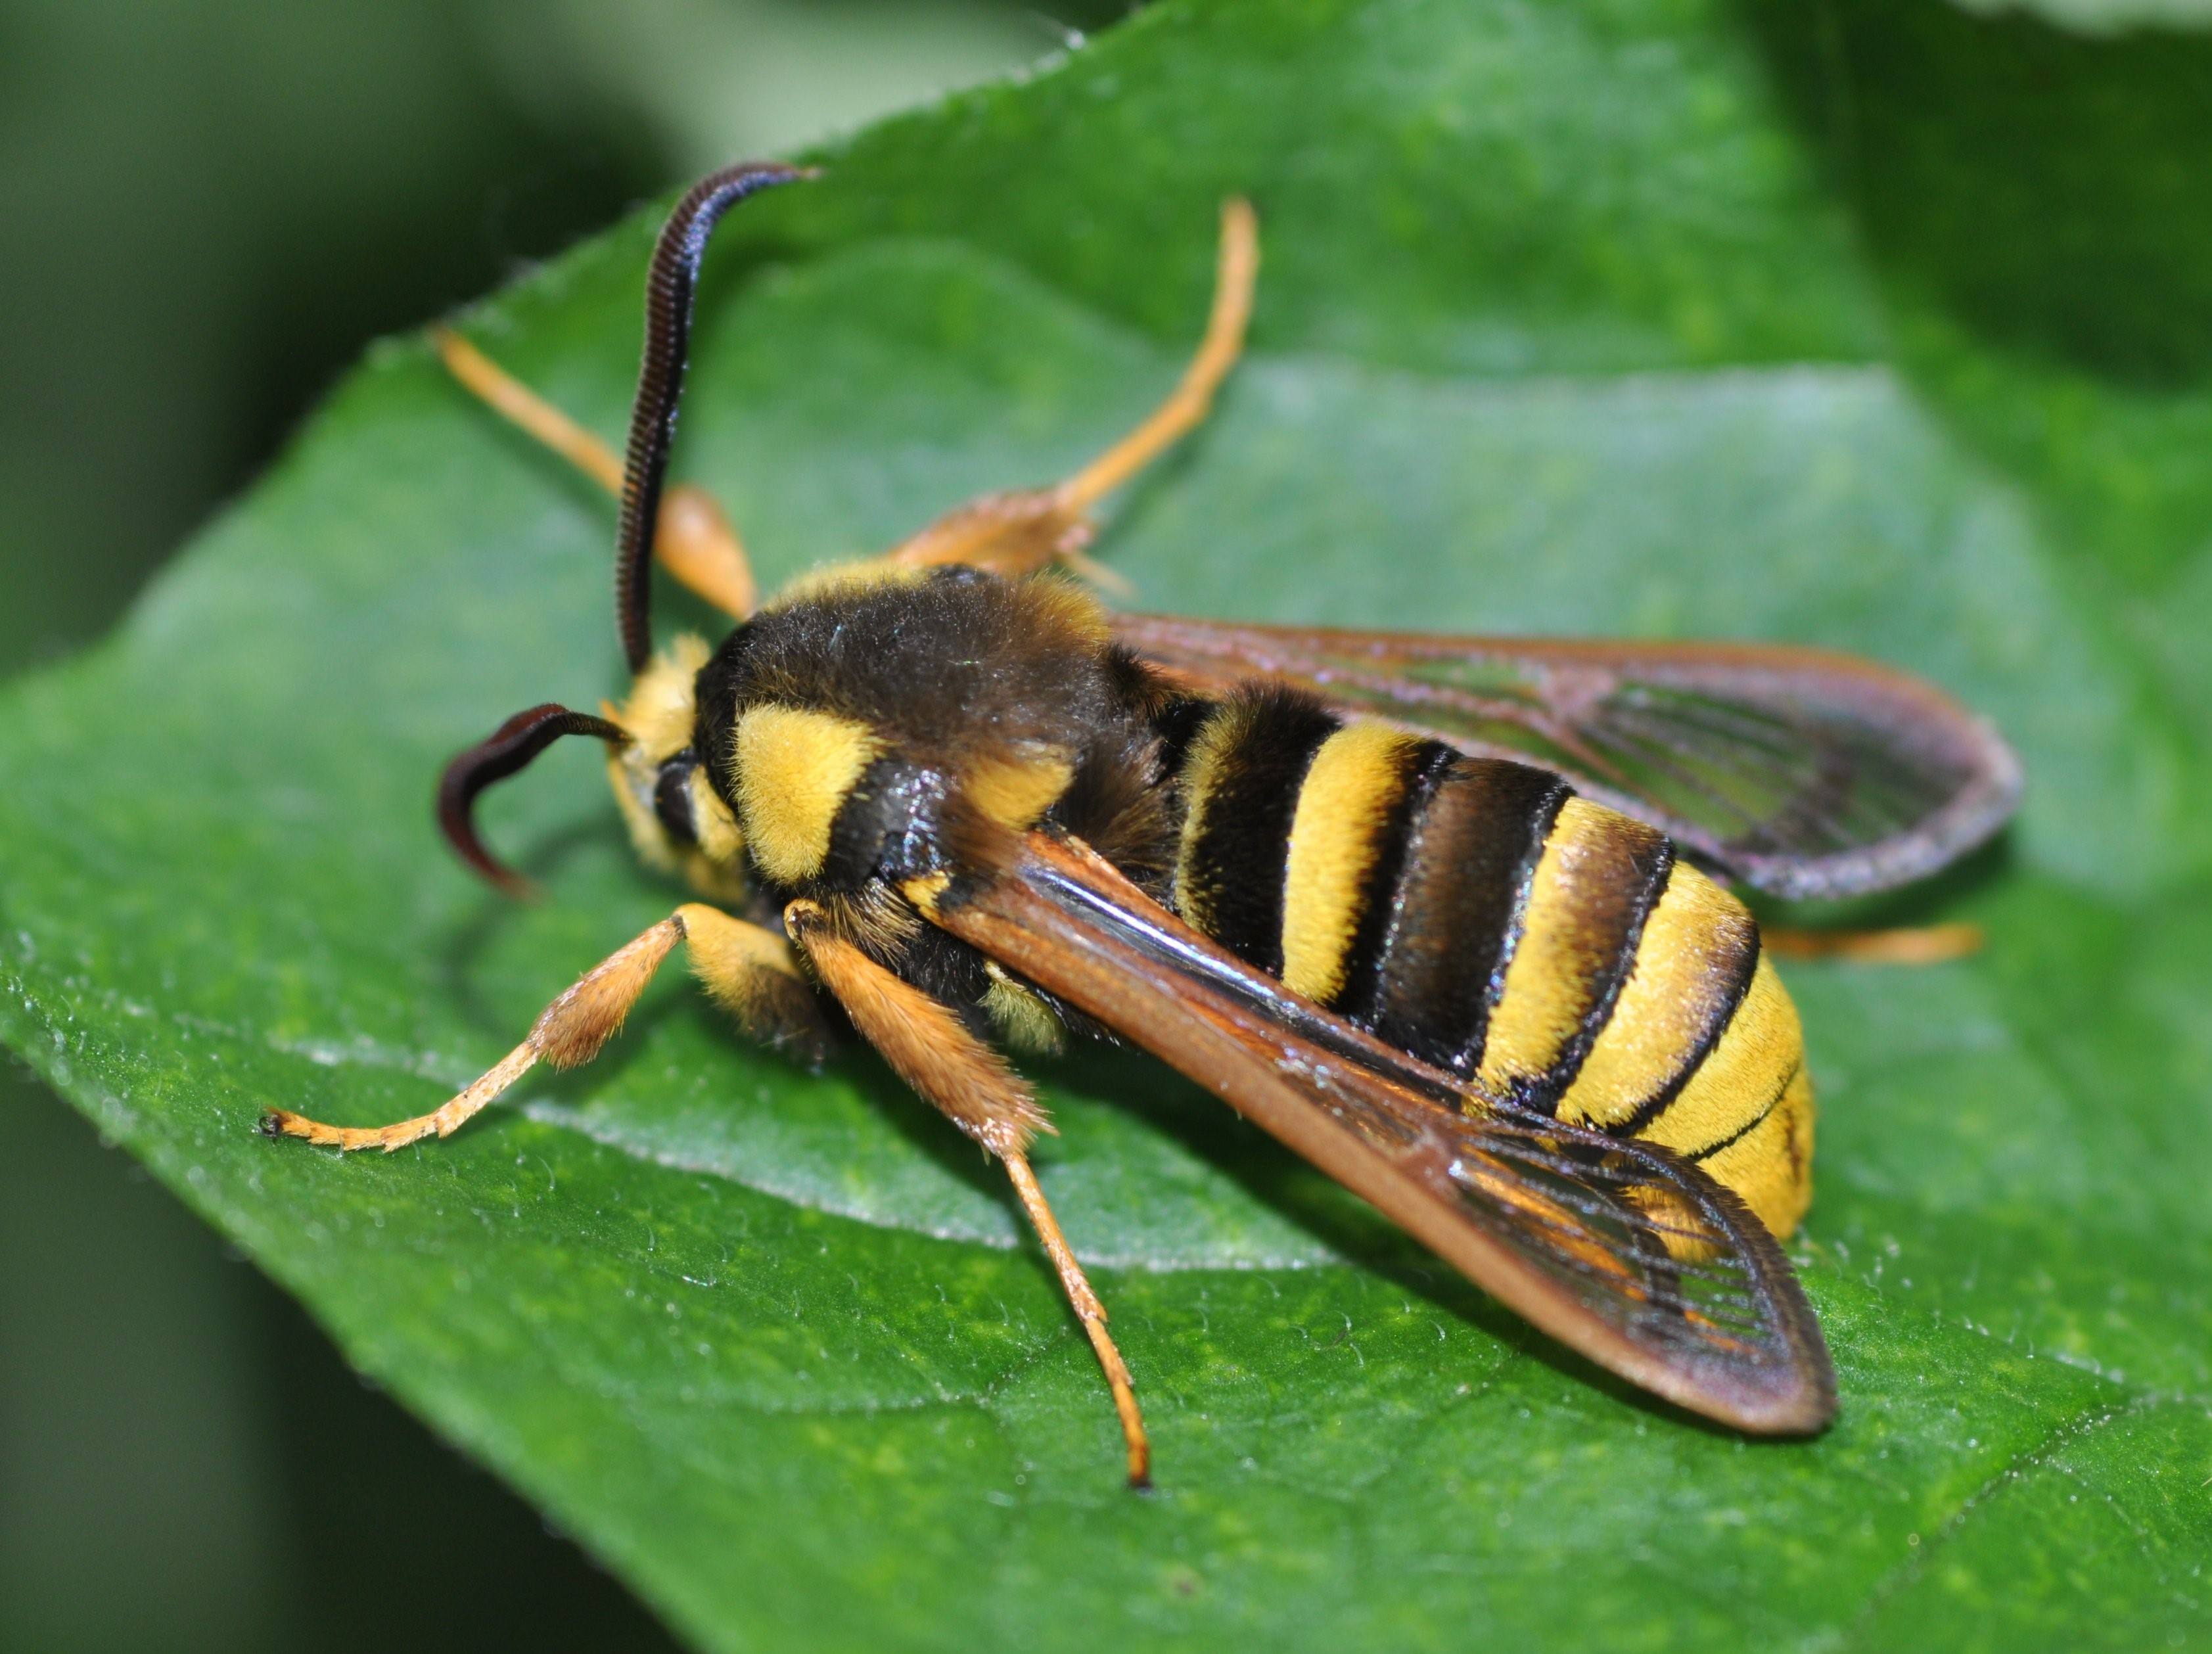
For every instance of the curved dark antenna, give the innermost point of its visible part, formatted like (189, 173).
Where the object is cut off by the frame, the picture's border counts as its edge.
(509, 748)
(668, 294)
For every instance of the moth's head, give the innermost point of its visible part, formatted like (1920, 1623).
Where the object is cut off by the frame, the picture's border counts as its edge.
(674, 818)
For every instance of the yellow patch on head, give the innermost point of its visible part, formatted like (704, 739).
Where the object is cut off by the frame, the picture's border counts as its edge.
(715, 865)
(659, 712)
(794, 768)
(1356, 781)
(720, 841)
(647, 836)
(660, 716)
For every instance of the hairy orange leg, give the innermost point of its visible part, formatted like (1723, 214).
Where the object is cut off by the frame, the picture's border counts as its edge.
(749, 970)
(930, 1047)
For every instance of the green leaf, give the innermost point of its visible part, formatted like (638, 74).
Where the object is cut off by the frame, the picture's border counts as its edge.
(1885, 330)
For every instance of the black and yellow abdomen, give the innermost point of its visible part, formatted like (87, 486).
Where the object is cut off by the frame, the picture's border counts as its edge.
(1482, 917)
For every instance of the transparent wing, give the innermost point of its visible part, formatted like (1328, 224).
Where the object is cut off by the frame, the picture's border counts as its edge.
(1620, 1250)
(1801, 772)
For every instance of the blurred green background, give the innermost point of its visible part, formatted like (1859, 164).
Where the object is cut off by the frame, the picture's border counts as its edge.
(206, 211)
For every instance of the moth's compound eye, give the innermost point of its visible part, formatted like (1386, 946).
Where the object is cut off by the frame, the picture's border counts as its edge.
(671, 798)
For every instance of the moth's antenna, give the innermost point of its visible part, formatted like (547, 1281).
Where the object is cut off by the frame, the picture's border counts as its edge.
(668, 295)
(507, 749)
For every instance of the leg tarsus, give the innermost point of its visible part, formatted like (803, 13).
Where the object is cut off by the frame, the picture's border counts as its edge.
(570, 1031)
(442, 1121)
(1092, 1314)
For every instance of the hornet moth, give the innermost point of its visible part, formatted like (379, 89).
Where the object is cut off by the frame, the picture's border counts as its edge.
(1450, 916)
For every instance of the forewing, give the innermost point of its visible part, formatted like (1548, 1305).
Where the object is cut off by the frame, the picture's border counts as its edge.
(1803, 772)
(1623, 1252)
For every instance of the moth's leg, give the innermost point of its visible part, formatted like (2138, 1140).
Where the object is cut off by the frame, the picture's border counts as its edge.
(930, 1047)
(1915, 945)
(753, 973)
(1091, 1313)
(1236, 268)
(696, 543)
(1023, 529)
(748, 969)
